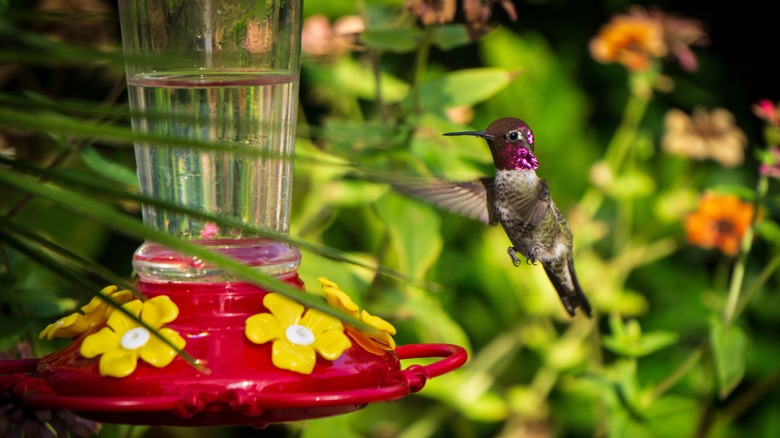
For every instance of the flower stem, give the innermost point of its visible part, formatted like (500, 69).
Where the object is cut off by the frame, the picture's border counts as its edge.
(738, 275)
(617, 149)
(767, 272)
(420, 67)
(679, 372)
(624, 136)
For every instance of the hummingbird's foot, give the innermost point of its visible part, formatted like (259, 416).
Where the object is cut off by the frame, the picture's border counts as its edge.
(513, 255)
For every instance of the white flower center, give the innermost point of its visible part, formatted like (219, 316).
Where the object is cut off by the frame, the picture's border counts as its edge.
(135, 338)
(299, 335)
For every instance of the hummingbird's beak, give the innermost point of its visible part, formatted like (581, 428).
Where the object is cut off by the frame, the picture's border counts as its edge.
(482, 134)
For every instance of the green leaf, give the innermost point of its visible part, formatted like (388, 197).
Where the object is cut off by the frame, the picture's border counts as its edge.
(415, 232)
(729, 346)
(353, 193)
(463, 88)
(333, 426)
(84, 264)
(400, 40)
(43, 303)
(628, 340)
(347, 138)
(455, 157)
(450, 36)
(348, 78)
(108, 169)
(673, 416)
(12, 329)
(745, 193)
(667, 416)
(769, 230)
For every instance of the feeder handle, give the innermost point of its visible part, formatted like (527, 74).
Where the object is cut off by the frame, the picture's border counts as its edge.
(416, 375)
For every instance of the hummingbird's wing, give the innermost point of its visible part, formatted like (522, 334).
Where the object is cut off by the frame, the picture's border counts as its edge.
(526, 209)
(472, 199)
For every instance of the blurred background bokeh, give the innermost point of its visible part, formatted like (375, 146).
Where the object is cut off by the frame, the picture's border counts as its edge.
(656, 128)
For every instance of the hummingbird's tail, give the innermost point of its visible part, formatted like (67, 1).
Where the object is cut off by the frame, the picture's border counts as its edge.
(564, 278)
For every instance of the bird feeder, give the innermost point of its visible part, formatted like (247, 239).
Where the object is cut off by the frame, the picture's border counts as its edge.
(224, 72)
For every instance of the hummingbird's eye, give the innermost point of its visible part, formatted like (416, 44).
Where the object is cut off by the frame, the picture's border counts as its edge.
(513, 136)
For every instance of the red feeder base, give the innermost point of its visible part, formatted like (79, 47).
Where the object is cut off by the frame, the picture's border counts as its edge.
(241, 386)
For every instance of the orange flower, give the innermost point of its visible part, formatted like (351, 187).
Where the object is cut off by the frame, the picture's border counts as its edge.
(633, 40)
(720, 222)
(636, 38)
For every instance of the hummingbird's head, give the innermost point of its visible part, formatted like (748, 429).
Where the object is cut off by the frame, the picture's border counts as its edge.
(511, 142)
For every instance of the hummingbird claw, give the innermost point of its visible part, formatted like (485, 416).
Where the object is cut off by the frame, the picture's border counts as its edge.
(513, 255)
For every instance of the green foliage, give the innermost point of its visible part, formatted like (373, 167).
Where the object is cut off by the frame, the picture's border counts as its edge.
(729, 348)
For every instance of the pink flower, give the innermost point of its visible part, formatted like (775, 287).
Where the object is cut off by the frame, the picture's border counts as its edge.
(766, 110)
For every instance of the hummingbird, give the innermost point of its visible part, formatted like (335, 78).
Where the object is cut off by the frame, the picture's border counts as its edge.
(517, 199)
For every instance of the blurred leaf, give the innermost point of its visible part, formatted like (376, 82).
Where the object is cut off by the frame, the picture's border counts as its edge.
(455, 157)
(101, 213)
(43, 303)
(348, 138)
(339, 426)
(400, 40)
(432, 322)
(348, 77)
(108, 430)
(353, 193)
(92, 185)
(672, 206)
(731, 189)
(729, 348)
(33, 48)
(769, 230)
(53, 124)
(108, 169)
(453, 390)
(673, 416)
(565, 354)
(11, 329)
(414, 229)
(415, 244)
(527, 403)
(450, 36)
(463, 88)
(631, 185)
(352, 280)
(628, 339)
(88, 266)
(665, 417)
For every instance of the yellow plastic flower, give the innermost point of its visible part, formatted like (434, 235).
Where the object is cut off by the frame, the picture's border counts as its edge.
(378, 342)
(297, 337)
(95, 312)
(125, 340)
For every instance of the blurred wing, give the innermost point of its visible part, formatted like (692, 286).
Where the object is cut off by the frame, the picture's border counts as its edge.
(472, 199)
(531, 208)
